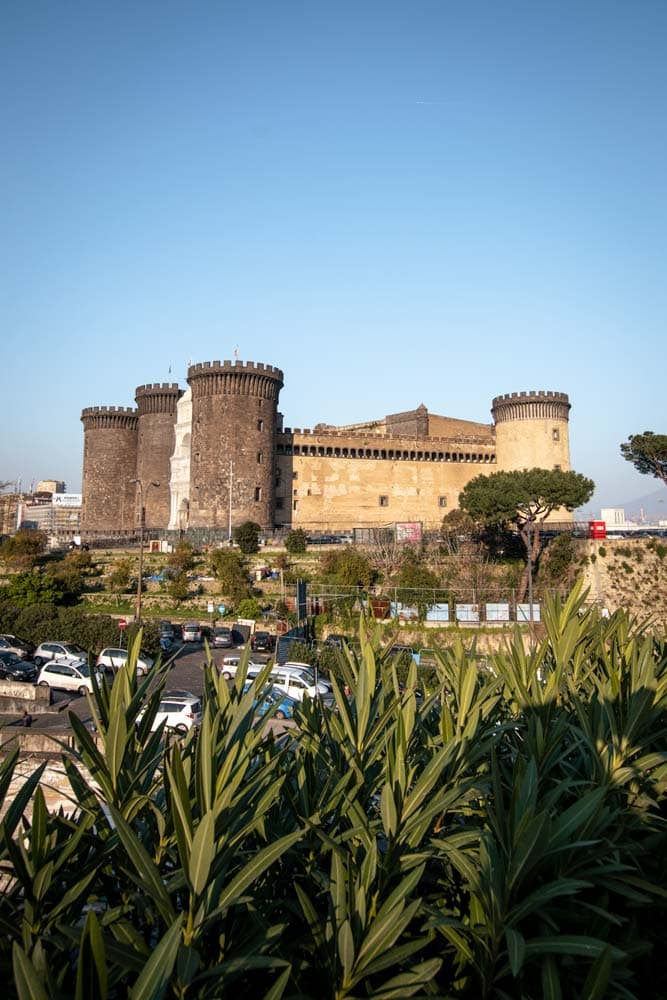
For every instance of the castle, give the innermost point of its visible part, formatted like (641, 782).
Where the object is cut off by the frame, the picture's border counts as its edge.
(217, 454)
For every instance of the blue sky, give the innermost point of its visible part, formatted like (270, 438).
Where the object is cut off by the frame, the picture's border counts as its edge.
(395, 202)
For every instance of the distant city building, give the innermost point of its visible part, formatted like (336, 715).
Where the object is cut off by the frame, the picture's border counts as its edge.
(612, 516)
(50, 486)
(218, 454)
(59, 516)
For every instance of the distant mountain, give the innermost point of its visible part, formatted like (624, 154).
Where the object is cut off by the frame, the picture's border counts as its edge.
(650, 507)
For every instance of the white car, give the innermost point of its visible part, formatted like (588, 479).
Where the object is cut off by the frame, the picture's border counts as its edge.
(68, 652)
(67, 676)
(230, 665)
(178, 710)
(191, 632)
(111, 659)
(298, 681)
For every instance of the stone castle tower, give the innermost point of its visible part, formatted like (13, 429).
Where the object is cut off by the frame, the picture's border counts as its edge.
(156, 408)
(532, 430)
(232, 464)
(109, 465)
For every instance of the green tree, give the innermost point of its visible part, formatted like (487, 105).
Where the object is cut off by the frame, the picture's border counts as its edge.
(118, 580)
(524, 499)
(248, 607)
(23, 549)
(182, 559)
(413, 578)
(33, 588)
(178, 587)
(246, 537)
(230, 570)
(349, 568)
(648, 454)
(295, 541)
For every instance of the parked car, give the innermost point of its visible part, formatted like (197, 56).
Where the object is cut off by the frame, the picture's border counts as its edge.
(222, 637)
(13, 668)
(298, 681)
(111, 659)
(230, 665)
(12, 644)
(336, 640)
(263, 642)
(178, 710)
(67, 676)
(165, 628)
(67, 651)
(192, 632)
(273, 700)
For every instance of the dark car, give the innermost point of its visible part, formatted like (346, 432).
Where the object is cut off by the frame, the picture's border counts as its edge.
(12, 644)
(222, 637)
(263, 642)
(335, 640)
(13, 668)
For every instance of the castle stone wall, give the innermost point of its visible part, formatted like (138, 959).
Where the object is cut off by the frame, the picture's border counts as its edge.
(334, 481)
(109, 464)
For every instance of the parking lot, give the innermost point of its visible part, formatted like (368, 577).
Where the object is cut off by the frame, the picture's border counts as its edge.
(186, 673)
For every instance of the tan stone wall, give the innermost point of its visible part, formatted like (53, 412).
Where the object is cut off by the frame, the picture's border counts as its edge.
(334, 489)
(451, 427)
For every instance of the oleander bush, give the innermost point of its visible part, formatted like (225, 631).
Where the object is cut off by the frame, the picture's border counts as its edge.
(503, 836)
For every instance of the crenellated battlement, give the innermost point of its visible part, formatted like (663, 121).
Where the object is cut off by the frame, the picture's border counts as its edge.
(533, 394)
(393, 441)
(106, 417)
(235, 367)
(91, 411)
(159, 387)
(534, 405)
(158, 399)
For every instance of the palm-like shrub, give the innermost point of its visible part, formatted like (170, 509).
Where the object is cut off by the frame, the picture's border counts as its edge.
(503, 836)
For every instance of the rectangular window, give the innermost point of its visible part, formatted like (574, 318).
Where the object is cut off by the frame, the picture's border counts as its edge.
(259, 458)
(555, 434)
(442, 501)
(295, 505)
(258, 494)
(384, 501)
(260, 425)
(295, 475)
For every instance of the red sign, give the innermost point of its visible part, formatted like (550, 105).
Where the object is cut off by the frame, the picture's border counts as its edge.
(122, 623)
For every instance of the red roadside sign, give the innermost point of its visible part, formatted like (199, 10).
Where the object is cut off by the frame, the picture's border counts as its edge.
(122, 623)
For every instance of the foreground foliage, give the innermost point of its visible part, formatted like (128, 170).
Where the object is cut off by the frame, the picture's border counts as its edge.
(503, 837)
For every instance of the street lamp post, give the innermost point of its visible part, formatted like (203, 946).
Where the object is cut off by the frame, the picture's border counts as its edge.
(140, 486)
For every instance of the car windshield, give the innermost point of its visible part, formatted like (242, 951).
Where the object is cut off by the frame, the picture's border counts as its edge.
(9, 658)
(83, 669)
(73, 650)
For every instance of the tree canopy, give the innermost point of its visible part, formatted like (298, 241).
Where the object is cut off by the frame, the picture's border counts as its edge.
(525, 499)
(648, 454)
(246, 537)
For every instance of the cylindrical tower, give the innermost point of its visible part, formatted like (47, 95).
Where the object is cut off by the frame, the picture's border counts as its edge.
(532, 430)
(232, 464)
(156, 406)
(109, 465)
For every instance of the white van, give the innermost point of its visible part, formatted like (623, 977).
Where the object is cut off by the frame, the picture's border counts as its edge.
(298, 681)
